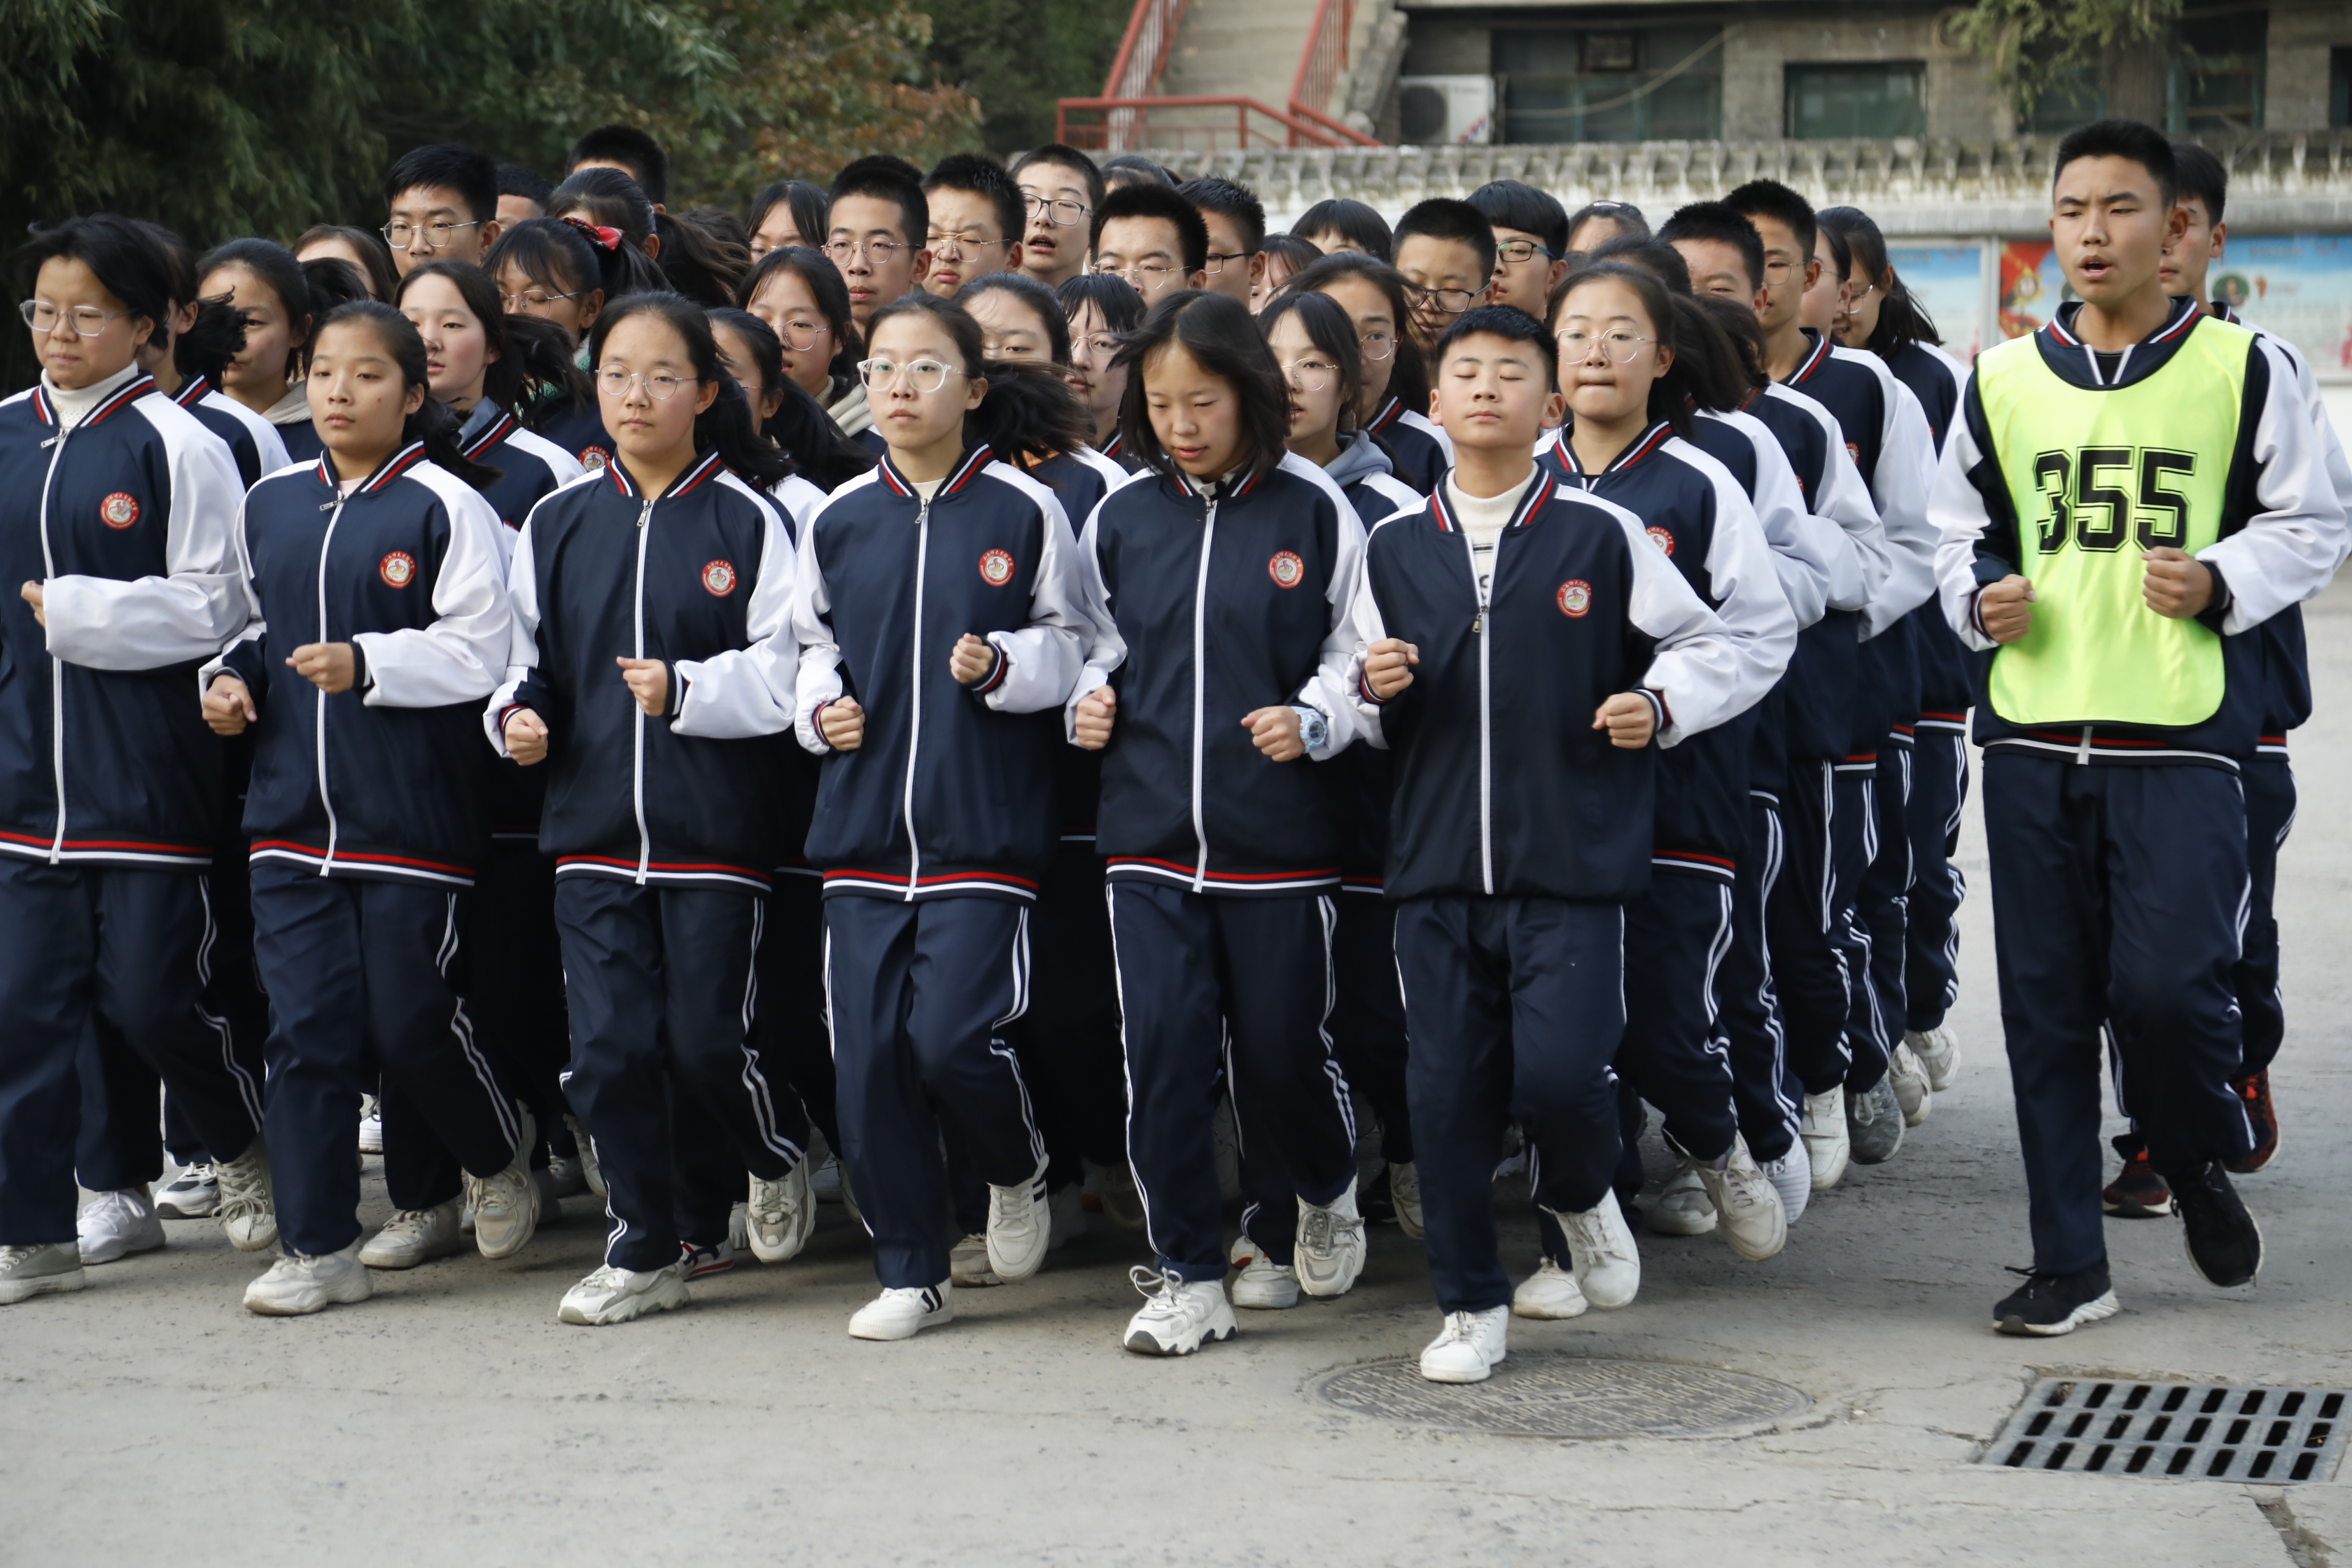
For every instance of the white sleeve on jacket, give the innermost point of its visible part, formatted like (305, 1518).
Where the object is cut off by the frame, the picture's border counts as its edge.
(256, 626)
(747, 691)
(1042, 659)
(2289, 550)
(1696, 670)
(522, 636)
(1859, 569)
(1331, 689)
(1899, 488)
(192, 611)
(1957, 511)
(2331, 450)
(816, 676)
(1364, 610)
(457, 657)
(1806, 550)
(1743, 583)
(1106, 649)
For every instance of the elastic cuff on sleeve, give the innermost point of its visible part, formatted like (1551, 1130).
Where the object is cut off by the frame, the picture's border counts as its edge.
(1364, 690)
(998, 669)
(2217, 611)
(816, 723)
(360, 677)
(677, 692)
(1660, 718)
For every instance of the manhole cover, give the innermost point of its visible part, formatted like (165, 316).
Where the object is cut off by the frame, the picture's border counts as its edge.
(1570, 1396)
(2197, 1431)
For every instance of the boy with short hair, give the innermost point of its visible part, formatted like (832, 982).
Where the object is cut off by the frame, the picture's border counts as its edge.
(2125, 495)
(523, 194)
(441, 205)
(1526, 645)
(1060, 188)
(1154, 238)
(875, 227)
(974, 222)
(1445, 249)
(1235, 260)
(1530, 243)
(629, 150)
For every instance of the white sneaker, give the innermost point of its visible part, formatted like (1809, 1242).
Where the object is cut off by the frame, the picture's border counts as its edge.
(1600, 1250)
(589, 1171)
(1791, 1176)
(193, 1193)
(902, 1311)
(1179, 1316)
(738, 1225)
(116, 1225)
(247, 1211)
(1020, 1225)
(1753, 1221)
(1939, 1050)
(371, 1125)
(1550, 1291)
(1908, 1078)
(1330, 1249)
(506, 1205)
(700, 1262)
(1404, 1192)
(1823, 1132)
(1683, 1207)
(780, 1215)
(298, 1283)
(1468, 1348)
(1263, 1285)
(968, 1263)
(613, 1295)
(51, 1269)
(414, 1236)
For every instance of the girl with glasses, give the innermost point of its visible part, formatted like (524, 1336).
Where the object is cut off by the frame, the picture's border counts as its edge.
(281, 298)
(941, 632)
(650, 619)
(1097, 309)
(798, 291)
(566, 271)
(1393, 402)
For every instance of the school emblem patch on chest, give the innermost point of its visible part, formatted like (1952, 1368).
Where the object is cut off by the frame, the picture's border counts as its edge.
(120, 510)
(719, 578)
(1575, 597)
(1286, 570)
(996, 568)
(398, 569)
(1663, 538)
(595, 456)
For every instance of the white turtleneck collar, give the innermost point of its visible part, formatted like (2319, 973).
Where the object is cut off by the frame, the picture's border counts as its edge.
(74, 407)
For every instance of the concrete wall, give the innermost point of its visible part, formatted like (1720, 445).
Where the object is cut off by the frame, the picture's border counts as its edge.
(2294, 73)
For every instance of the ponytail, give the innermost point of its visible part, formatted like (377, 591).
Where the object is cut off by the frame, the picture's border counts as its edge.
(1029, 414)
(434, 423)
(217, 337)
(1902, 319)
(727, 426)
(705, 266)
(820, 453)
(1744, 333)
(1717, 379)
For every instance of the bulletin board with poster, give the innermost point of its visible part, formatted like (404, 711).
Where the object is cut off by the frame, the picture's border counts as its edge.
(2032, 285)
(2297, 286)
(1948, 279)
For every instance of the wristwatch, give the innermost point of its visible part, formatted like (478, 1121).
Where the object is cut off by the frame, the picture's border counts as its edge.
(1314, 729)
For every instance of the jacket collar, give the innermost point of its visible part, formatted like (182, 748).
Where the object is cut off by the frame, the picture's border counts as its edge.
(973, 459)
(134, 388)
(2077, 361)
(1537, 497)
(191, 391)
(1813, 360)
(1642, 446)
(1225, 489)
(480, 435)
(390, 468)
(617, 475)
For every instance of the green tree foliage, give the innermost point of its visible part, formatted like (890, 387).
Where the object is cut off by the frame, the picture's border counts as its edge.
(1018, 55)
(2035, 47)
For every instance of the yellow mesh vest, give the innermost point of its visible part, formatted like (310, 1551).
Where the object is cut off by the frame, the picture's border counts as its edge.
(2096, 478)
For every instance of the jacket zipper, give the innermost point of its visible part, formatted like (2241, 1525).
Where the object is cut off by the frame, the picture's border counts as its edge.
(1485, 715)
(638, 781)
(914, 690)
(319, 726)
(57, 665)
(1200, 690)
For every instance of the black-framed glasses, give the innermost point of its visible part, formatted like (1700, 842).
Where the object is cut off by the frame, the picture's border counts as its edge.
(1617, 347)
(880, 252)
(437, 235)
(1452, 301)
(922, 374)
(1778, 271)
(1217, 260)
(531, 300)
(1515, 251)
(85, 320)
(660, 385)
(1059, 209)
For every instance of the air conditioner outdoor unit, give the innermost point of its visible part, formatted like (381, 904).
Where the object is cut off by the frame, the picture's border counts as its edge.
(1446, 110)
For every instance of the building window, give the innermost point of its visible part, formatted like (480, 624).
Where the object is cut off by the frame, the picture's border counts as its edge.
(1881, 98)
(2216, 81)
(2078, 100)
(2339, 87)
(1620, 84)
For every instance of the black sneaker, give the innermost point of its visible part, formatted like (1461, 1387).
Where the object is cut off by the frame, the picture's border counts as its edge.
(2050, 1304)
(2138, 1192)
(2254, 1091)
(2223, 1241)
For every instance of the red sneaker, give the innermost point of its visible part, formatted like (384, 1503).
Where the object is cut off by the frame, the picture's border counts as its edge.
(2138, 1192)
(2254, 1091)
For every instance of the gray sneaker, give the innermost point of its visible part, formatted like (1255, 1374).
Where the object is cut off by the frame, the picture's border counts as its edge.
(1873, 1120)
(50, 1268)
(247, 1211)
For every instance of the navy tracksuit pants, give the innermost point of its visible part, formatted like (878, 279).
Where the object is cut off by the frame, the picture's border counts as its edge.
(366, 981)
(120, 953)
(1677, 936)
(1822, 815)
(1516, 1007)
(1761, 1088)
(2116, 894)
(664, 1001)
(1939, 784)
(920, 996)
(1242, 985)
(1878, 923)
(2269, 784)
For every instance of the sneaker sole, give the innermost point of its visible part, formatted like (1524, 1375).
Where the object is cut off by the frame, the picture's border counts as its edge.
(1266, 1304)
(1451, 1376)
(303, 1306)
(15, 1290)
(2105, 1306)
(115, 1252)
(884, 1336)
(1547, 1315)
(394, 1263)
(628, 1309)
(2128, 1209)
(205, 1209)
(258, 1241)
(1216, 1330)
(1674, 1222)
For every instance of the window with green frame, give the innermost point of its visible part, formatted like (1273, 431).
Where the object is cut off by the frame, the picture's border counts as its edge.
(2339, 87)
(2216, 81)
(1875, 97)
(1609, 84)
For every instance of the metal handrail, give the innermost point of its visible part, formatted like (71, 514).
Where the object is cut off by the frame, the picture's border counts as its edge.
(1347, 135)
(1298, 129)
(1324, 55)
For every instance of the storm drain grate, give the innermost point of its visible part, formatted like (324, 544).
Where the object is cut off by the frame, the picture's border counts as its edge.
(1545, 1395)
(2192, 1431)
